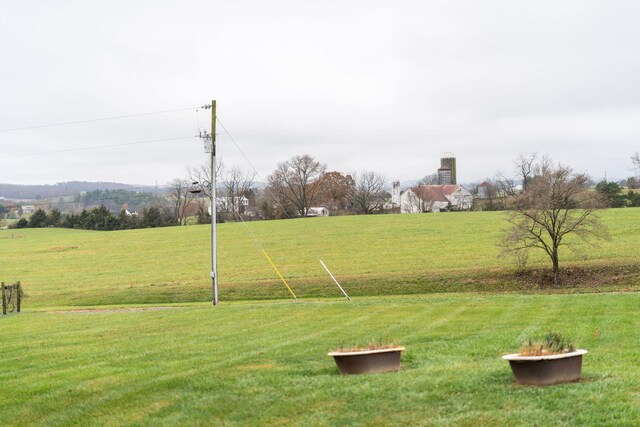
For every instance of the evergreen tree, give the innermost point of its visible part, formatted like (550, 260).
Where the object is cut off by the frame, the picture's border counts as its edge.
(38, 219)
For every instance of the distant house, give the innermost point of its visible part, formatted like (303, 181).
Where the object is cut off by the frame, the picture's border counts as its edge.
(28, 209)
(435, 198)
(229, 204)
(318, 211)
(487, 190)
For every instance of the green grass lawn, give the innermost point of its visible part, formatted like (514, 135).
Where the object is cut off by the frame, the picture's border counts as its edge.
(180, 362)
(370, 255)
(265, 363)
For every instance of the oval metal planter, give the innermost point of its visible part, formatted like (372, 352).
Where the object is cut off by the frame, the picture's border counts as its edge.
(546, 370)
(368, 361)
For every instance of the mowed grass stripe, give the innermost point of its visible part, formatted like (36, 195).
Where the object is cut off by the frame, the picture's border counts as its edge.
(266, 364)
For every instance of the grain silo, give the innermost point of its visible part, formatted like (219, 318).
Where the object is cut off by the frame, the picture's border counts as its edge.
(447, 171)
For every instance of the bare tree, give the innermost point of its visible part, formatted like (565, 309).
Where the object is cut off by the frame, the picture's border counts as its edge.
(237, 184)
(297, 182)
(368, 193)
(635, 160)
(528, 166)
(180, 198)
(431, 179)
(507, 185)
(203, 215)
(489, 192)
(272, 204)
(200, 180)
(525, 167)
(201, 177)
(556, 209)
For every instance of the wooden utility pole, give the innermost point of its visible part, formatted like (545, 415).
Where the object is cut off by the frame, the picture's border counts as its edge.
(214, 254)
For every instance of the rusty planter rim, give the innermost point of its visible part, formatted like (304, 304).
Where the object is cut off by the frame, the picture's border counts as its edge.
(517, 358)
(361, 352)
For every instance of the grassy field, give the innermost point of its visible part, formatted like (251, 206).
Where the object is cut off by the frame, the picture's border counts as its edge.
(370, 255)
(265, 363)
(180, 361)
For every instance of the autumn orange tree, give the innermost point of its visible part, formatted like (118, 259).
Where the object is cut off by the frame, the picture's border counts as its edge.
(336, 190)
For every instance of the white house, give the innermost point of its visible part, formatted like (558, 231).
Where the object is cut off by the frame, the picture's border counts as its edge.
(226, 203)
(435, 198)
(318, 211)
(28, 209)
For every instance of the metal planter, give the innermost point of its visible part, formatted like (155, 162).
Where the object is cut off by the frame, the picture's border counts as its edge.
(368, 361)
(546, 370)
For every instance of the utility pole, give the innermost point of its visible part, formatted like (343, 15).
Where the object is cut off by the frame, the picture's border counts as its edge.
(210, 148)
(214, 249)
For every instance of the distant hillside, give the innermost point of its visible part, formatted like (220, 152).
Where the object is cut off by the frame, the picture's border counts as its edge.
(17, 191)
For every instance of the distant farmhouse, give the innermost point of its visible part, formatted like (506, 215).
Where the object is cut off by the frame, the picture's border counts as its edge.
(447, 195)
(318, 211)
(435, 198)
(229, 204)
(27, 209)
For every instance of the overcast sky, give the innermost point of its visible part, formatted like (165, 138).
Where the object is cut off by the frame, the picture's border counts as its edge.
(359, 85)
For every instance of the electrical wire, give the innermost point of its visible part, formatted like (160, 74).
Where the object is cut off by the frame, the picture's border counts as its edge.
(102, 119)
(68, 150)
(264, 252)
(255, 239)
(50, 202)
(237, 146)
(248, 161)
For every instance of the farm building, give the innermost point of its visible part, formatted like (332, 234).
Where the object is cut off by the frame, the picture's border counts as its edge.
(318, 211)
(27, 209)
(435, 198)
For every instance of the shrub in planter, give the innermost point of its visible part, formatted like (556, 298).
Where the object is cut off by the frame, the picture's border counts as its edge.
(553, 360)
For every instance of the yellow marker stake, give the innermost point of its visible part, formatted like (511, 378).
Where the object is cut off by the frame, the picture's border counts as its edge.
(279, 275)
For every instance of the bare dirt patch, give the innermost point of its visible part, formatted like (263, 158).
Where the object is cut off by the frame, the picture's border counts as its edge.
(60, 249)
(620, 277)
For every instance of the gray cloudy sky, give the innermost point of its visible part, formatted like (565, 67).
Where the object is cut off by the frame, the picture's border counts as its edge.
(359, 85)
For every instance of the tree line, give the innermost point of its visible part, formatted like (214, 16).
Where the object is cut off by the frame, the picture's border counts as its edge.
(498, 193)
(295, 187)
(99, 218)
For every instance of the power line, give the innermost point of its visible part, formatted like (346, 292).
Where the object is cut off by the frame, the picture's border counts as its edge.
(284, 210)
(102, 119)
(149, 141)
(248, 162)
(49, 201)
(238, 147)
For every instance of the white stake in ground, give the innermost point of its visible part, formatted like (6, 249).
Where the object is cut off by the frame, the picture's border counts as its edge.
(335, 281)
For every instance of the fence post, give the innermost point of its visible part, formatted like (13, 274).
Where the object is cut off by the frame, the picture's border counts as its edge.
(4, 301)
(18, 291)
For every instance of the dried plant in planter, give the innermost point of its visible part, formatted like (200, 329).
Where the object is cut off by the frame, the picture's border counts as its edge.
(371, 345)
(553, 343)
(553, 360)
(375, 357)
